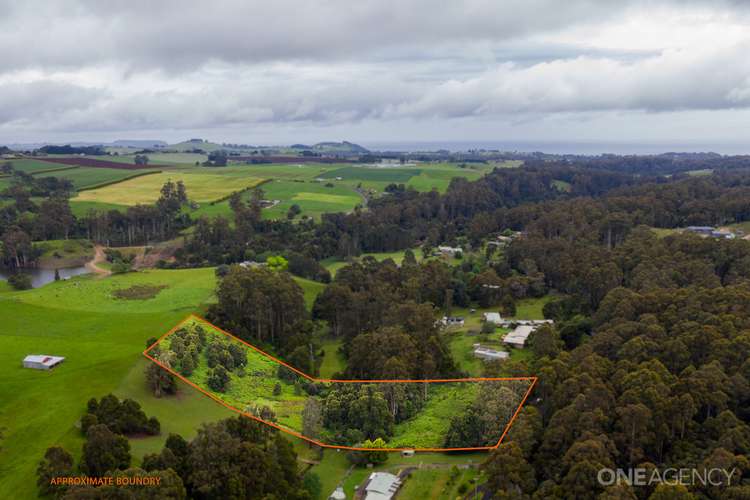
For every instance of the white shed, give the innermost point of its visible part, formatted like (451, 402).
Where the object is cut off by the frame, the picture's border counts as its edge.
(492, 317)
(338, 494)
(42, 361)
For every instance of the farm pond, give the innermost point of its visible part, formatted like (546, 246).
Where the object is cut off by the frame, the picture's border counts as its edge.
(40, 277)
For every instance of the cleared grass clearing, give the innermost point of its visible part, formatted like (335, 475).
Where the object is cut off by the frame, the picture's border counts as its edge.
(444, 401)
(333, 361)
(333, 264)
(201, 187)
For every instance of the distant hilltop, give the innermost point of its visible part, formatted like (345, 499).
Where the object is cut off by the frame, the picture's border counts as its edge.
(139, 143)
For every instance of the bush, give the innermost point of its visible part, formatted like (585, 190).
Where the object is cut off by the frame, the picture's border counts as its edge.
(277, 389)
(218, 380)
(20, 281)
(120, 267)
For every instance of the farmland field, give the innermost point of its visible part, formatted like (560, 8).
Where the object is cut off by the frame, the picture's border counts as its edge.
(33, 166)
(313, 198)
(84, 177)
(93, 162)
(384, 174)
(201, 187)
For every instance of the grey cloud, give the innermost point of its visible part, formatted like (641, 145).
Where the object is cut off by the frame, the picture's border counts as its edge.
(181, 34)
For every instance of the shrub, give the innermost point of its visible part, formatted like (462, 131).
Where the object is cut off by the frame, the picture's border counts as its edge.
(20, 281)
(218, 380)
(120, 267)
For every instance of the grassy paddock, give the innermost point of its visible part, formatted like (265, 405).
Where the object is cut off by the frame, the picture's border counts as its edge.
(102, 339)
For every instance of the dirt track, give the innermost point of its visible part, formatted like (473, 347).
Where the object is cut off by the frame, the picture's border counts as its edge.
(99, 257)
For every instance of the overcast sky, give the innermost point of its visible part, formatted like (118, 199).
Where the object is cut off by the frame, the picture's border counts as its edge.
(374, 71)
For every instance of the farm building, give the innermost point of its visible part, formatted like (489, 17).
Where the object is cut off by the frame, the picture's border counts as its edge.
(381, 486)
(451, 251)
(452, 321)
(492, 317)
(710, 231)
(518, 337)
(488, 354)
(700, 229)
(42, 361)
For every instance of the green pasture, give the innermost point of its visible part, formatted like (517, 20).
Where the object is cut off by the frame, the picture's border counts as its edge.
(83, 177)
(101, 338)
(382, 174)
(333, 361)
(313, 198)
(32, 166)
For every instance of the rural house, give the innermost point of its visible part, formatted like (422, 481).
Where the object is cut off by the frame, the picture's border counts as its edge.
(450, 251)
(42, 361)
(518, 337)
(452, 321)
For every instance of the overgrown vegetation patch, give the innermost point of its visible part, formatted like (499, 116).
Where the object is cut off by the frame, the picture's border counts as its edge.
(139, 292)
(377, 414)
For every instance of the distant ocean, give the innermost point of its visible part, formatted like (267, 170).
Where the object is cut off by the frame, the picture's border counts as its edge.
(580, 148)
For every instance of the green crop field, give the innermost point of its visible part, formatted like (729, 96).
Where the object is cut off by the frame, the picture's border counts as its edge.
(83, 177)
(201, 187)
(313, 198)
(382, 174)
(32, 166)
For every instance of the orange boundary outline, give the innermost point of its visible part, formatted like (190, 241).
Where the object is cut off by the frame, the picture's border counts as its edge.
(340, 447)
